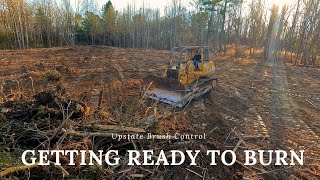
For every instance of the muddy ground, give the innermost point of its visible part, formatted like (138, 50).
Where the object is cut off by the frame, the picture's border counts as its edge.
(267, 105)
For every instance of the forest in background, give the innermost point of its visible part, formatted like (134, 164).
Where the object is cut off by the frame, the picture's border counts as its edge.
(293, 30)
(65, 84)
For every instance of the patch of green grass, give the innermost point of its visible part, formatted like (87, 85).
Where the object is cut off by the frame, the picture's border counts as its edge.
(94, 171)
(6, 159)
(10, 158)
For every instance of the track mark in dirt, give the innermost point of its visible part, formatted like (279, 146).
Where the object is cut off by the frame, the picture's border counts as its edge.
(283, 125)
(258, 127)
(119, 69)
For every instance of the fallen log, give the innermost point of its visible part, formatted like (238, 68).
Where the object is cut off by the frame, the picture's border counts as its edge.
(177, 145)
(11, 170)
(275, 170)
(86, 134)
(237, 145)
(307, 100)
(117, 128)
(136, 175)
(256, 137)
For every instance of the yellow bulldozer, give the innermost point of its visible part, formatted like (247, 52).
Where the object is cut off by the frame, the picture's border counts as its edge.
(189, 74)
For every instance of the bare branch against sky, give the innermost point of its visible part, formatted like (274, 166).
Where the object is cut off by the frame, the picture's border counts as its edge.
(161, 4)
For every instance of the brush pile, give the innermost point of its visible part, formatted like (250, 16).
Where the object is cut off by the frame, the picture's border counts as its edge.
(51, 119)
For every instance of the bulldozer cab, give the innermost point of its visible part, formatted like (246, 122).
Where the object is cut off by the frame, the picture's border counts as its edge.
(180, 57)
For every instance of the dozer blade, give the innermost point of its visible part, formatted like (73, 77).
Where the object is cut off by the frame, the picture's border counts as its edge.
(171, 91)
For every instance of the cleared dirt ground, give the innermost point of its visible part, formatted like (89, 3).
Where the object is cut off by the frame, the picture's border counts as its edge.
(268, 106)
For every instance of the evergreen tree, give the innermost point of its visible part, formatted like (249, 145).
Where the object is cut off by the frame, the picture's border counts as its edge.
(109, 23)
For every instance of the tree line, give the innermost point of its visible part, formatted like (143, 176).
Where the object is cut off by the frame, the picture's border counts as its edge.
(293, 29)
